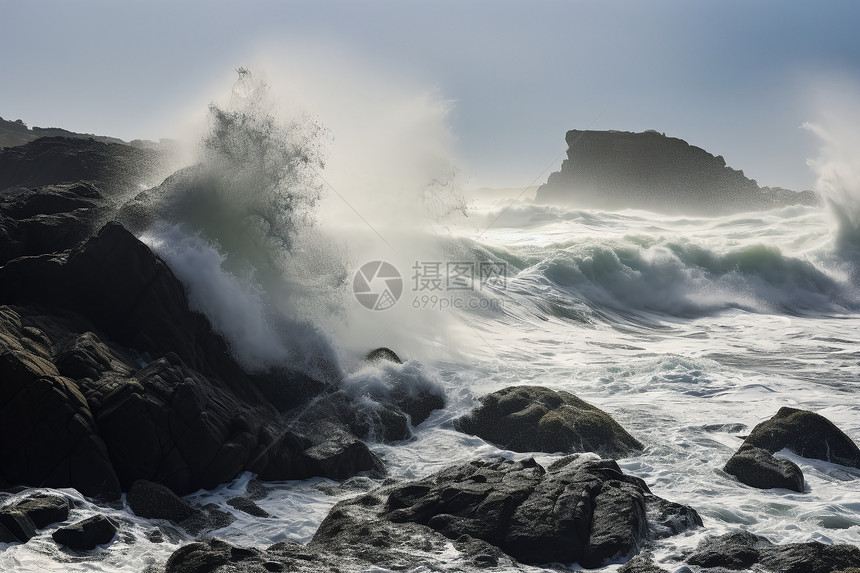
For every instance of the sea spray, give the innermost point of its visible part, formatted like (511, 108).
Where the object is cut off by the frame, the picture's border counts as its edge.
(238, 229)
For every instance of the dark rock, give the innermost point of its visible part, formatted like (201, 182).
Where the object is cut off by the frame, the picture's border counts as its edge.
(174, 426)
(382, 353)
(642, 563)
(286, 389)
(56, 444)
(737, 550)
(742, 550)
(54, 160)
(87, 534)
(616, 169)
(341, 455)
(377, 421)
(580, 510)
(256, 491)
(84, 357)
(537, 419)
(44, 509)
(248, 506)
(207, 556)
(209, 518)
(155, 501)
(806, 434)
(811, 557)
(759, 468)
(15, 525)
(131, 295)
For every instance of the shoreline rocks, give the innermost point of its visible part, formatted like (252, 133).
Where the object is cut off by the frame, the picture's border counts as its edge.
(580, 509)
(538, 419)
(805, 433)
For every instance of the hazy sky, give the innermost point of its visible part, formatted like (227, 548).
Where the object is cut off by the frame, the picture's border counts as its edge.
(735, 77)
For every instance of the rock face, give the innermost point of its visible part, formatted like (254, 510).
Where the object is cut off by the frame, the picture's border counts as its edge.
(87, 534)
(741, 550)
(617, 170)
(580, 509)
(537, 419)
(759, 468)
(90, 407)
(806, 434)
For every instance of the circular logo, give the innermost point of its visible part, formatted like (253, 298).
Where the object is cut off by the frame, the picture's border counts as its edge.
(377, 285)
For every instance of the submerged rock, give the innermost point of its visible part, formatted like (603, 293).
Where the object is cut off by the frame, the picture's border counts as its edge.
(538, 419)
(87, 534)
(759, 468)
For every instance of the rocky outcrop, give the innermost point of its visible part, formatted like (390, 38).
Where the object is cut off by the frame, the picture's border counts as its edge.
(55, 160)
(580, 509)
(741, 550)
(52, 436)
(142, 388)
(759, 468)
(87, 534)
(624, 170)
(807, 434)
(537, 419)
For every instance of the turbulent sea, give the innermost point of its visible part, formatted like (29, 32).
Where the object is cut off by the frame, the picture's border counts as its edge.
(689, 331)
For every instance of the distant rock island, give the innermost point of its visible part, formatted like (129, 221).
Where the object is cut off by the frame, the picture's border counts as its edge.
(626, 170)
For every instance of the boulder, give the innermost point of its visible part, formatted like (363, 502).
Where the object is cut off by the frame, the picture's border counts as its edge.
(806, 434)
(581, 510)
(743, 550)
(87, 534)
(15, 526)
(382, 354)
(44, 509)
(245, 504)
(537, 419)
(759, 468)
(155, 501)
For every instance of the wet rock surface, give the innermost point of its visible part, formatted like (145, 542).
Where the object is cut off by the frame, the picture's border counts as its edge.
(537, 419)
(759, 468)
(494, 512)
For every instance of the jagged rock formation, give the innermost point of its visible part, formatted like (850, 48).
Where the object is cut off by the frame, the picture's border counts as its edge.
(625, 170)
(580, 509)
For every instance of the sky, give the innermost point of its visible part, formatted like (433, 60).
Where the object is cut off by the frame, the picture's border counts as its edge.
(737, 78)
